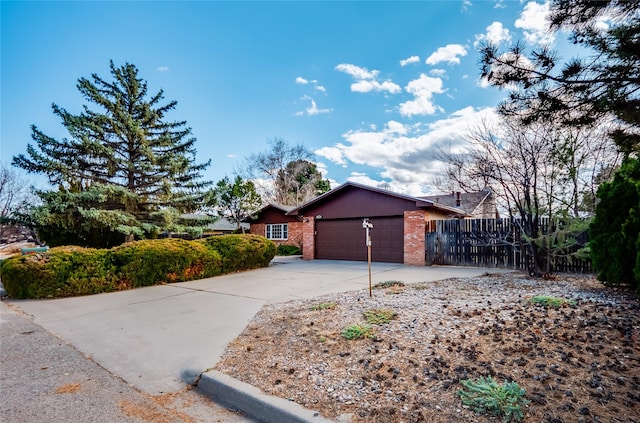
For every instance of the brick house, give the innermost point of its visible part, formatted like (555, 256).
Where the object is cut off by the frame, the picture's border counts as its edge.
(273, 222)
(330, 226)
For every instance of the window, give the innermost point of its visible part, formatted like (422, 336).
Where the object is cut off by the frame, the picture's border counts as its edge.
(278, 231)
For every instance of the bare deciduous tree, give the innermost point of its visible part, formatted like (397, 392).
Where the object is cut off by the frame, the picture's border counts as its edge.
(536, 171)
(14, 192)
(284, 174)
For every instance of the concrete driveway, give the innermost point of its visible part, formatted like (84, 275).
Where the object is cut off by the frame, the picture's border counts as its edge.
(159, 338)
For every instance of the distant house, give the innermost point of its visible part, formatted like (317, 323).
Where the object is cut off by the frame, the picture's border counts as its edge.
(224, 226)
(477, 205)
(221, 226)
(330, 226)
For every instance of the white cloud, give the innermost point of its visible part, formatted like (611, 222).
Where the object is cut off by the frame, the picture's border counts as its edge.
(406, 155)
(314, 82)
(495, 34)
(366, 81)
(313, 109)
(366, 86)
(333, 154)
(423, 90)
(410, 60)
(231, 156)
(356, 71)
(438, 72)
(162, 68)
(534, 23)
(449, 53)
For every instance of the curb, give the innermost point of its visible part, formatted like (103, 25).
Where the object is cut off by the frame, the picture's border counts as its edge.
(253, 402)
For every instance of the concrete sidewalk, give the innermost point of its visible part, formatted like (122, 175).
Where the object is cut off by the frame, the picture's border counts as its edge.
(159, 338)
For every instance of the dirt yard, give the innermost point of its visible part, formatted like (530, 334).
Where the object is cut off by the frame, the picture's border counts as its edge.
(579, 362)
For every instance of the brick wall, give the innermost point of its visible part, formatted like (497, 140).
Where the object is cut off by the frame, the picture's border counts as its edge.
(309, 238)
(295, 234)
(294, 228)
(414, 237)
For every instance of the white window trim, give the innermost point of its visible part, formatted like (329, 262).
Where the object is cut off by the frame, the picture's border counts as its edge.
(283, 229)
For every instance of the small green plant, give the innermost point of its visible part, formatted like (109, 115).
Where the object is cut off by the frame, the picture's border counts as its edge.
(379, 316)
(547, 301)
(357, 331)
(322, 339)
(487, 396)
(388, 284)
(324, 306)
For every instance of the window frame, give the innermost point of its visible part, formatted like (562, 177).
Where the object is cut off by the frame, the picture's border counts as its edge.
(282, 229)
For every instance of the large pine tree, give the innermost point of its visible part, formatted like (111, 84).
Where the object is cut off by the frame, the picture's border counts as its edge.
(604, 82)
(121, 140)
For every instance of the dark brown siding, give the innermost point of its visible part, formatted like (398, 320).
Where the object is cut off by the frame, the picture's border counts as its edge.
(344, 239)
(274, 215)
(353, 202)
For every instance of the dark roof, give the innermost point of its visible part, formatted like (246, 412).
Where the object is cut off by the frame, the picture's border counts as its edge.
(469, 201)
(420, 201)
(284, 209)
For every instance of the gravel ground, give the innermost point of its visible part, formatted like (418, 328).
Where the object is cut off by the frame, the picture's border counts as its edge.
(578, 363)
(43, 379)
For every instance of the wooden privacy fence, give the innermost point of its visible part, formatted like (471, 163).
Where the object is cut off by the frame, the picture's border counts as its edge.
(496, 243)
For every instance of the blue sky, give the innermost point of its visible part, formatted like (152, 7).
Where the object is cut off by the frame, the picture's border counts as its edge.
(373, 88)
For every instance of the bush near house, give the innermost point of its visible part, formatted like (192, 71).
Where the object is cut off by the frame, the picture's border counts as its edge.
(72, 271)
(288, 250)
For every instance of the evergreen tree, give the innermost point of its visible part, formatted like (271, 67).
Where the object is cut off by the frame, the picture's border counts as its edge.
(606, 82)
(126, 144)
(615, 231)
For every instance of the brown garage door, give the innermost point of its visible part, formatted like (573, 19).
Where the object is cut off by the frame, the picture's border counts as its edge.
(344, 239)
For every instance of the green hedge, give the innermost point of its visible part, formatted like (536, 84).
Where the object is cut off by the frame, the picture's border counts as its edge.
(61, 272)
(72, 271)
(150, 262)
(242, 252)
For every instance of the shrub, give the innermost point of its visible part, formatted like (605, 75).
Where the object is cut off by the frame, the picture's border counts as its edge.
(357, 331)
(288, 250)
(242, 252)
(149, 262)
(379, 316)
(487, 396)
(69, 271)
(615, 230)
(61, 272)
(547, 301)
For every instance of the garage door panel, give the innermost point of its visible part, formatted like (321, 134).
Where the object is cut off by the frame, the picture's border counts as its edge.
(344, 239)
